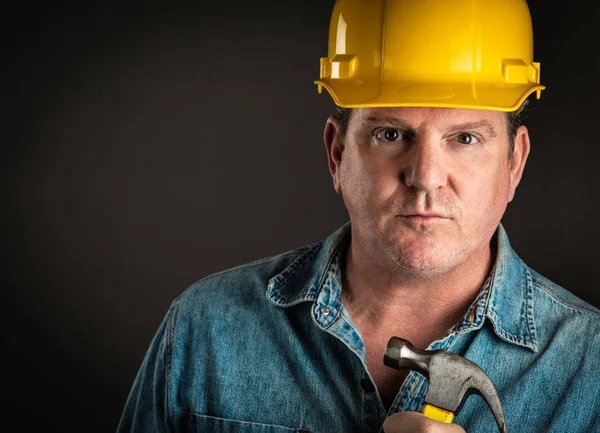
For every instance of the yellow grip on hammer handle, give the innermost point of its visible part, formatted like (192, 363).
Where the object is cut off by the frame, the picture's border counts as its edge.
(438, 414)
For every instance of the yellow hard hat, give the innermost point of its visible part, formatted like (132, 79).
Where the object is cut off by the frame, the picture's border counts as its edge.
(434, 53)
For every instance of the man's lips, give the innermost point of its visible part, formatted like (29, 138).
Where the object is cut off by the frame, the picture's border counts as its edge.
(424, 217)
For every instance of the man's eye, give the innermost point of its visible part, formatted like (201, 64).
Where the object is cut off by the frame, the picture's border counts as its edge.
(389, 134)
(465, 138)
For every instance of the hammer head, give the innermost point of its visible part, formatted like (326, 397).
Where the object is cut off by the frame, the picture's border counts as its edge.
(452, 378)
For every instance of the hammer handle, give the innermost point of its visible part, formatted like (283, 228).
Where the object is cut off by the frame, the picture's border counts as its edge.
(438, 414)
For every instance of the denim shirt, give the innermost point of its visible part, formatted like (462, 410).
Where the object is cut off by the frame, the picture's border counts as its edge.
(268, 347)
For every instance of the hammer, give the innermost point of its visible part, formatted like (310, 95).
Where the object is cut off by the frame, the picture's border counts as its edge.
(452, 379)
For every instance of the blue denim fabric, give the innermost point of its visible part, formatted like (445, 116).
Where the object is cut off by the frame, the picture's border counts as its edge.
(268, 347)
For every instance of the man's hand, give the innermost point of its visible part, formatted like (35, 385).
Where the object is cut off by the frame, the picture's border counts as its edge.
(414, 422)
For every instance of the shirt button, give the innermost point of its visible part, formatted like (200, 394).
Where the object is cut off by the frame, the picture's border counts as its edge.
(367, 385)
(472, 313)
(325, 311)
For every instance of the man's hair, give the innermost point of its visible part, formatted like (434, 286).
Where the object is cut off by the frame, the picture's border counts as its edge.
(514, 119)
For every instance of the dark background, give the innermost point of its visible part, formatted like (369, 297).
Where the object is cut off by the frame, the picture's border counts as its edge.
(145, 146)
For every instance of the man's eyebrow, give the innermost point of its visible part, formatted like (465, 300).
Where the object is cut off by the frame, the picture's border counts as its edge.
(469, 126)
(379, 120)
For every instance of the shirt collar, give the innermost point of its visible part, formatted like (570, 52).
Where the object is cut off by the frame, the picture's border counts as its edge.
(315, 276)
(510, 302)
(506, 297)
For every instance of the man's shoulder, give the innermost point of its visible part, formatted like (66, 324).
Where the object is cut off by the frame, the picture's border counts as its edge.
(250, 279)
(561, 298)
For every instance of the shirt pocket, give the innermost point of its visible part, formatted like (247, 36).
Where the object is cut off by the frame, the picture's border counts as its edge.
(205, 424)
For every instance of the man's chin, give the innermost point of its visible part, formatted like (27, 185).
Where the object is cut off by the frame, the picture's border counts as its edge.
(429, 260)
(428, 268)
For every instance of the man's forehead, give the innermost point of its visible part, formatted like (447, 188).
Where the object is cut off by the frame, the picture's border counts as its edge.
(423, 116)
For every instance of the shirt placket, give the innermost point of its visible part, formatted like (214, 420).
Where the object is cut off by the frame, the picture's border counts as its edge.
(330, 315)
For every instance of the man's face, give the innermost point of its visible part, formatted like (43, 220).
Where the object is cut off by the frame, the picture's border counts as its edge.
(425, 187)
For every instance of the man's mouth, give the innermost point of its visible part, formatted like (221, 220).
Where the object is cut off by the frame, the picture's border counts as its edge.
(424, 218)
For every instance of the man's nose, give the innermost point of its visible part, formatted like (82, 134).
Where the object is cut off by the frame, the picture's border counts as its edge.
(426, 167)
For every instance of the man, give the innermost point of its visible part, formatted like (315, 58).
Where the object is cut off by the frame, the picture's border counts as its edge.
(426, 154)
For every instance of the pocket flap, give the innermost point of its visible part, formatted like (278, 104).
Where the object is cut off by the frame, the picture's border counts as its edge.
(205, 424)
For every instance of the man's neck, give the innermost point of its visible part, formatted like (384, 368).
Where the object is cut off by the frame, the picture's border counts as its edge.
(384, 298)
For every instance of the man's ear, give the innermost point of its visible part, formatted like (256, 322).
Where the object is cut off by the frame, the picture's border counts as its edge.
(518, 159)
(334, 150)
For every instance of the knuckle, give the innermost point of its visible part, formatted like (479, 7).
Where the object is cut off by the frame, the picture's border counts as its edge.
(428, 425)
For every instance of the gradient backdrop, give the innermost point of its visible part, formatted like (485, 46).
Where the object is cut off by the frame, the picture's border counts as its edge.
(145, 146)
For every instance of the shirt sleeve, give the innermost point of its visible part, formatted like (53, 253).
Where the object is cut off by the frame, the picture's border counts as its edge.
(147, 406)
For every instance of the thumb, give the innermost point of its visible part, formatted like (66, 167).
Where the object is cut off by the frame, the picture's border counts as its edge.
(414, 422)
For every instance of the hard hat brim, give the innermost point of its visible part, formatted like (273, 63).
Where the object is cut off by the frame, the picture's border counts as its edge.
(497, 97)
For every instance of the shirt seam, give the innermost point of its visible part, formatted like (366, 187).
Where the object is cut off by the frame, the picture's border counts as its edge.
(530, 307)
(170, 336)
(299, 252)
(573, 305)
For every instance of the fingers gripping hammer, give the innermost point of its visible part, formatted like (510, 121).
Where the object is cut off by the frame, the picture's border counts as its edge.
(452, 379)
